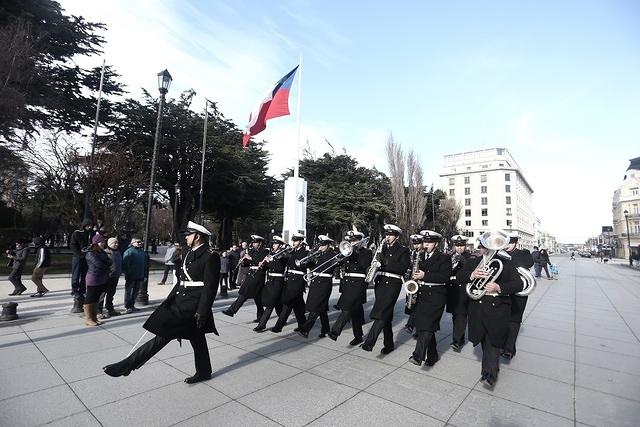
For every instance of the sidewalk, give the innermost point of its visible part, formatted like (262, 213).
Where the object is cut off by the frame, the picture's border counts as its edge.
(578, 363)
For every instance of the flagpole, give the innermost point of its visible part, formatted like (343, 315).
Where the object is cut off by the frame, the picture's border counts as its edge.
(296, 171)
(204, 147)
(88, 193)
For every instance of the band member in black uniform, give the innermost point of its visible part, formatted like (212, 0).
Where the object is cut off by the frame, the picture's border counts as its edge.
(394, 261)
(186, 312)
(489, 316)
(252, 285)
(521, 258)
(354, 289)
(320, 289)
(433, 274)
(457, 298)
(294, 285)
(418, 251)
(272, 289)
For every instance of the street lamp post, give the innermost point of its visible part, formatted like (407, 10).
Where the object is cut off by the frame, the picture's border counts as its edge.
(164, 81)
(626, 217)
(175, 213)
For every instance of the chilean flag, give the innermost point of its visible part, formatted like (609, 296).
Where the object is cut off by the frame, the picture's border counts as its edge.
(276, 104)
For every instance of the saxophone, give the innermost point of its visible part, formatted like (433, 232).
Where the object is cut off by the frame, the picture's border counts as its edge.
(375, 265)
(411, 286)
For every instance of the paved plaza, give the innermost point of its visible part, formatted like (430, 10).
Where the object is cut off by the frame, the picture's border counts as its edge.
(578, 363)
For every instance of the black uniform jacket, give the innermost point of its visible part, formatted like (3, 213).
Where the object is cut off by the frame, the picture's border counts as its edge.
(432, 299)
(354, 289)
(395, 259)
(521, 258)
(320, 287)
(457, 298)
(490, 315)
(294, 284)
(272, 289)
(254, 282)
(174, 317)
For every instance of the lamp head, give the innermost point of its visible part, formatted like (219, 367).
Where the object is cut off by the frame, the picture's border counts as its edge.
(164, 81)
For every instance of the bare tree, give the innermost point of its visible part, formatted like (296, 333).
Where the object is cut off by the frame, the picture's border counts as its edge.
(406, 187)
(448, 216)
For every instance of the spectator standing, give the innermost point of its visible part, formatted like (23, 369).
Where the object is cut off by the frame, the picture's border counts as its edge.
(134, 265)
(169, 262)
(544, 262)
(98, 270)
(242, 270)
(224, 274)
(234, 257)
(537, 262)
(114, 275)
(79, 240)
(18, 258)
(43, 261)
(154, 247)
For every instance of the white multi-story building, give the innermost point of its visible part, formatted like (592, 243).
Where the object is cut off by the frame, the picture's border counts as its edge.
(627, 198)
(492, 191)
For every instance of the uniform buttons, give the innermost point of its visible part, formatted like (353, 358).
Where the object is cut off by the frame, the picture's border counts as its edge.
(480, 302)
(493, 304)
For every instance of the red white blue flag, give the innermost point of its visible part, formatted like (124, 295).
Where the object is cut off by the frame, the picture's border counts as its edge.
(276, 104)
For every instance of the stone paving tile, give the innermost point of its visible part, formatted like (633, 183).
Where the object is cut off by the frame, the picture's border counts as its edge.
(52, 404)
(353, 371)
(599, 409)
(21, 354)
(230, 414)
(83, 419)
(163, 406)
(607, 381)
(17, 338)
(397, 358)
(298, 400)
(9, 329)
(613, 346)
(550, 324)
(86, 365)
(608, 360)
(27, 379)
(149, 377)
(304, 356)
(452, 368)
(55, 349)
(537, 392)
(542, 366)
(481, 409)
(562, 337)
(546, 348)
(367, 410)
(422, 393)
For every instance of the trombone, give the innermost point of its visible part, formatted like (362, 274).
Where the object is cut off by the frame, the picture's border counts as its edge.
(345, 249)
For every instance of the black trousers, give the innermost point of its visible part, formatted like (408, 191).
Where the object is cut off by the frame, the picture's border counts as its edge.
(512, 336)
(426, 346)
(267, 314)
(15, 277)
(298, 310)
(378, 326)
(167, 269)
(153, 346)
(78, 274)
(107, 301)
(490, 358)
(356, 316)
(311, 320)
(235, 306)
(459, 327)
(412, 320)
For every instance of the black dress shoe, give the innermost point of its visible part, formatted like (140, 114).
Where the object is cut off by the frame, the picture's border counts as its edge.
(488, 380)
(507, 355)
(456, 347)
(197, 378)
(13, 293)
(355, 341)
(333, 336)
(228, 312)
(259, 328)
(322, 335)
(415, 361)
(20, 291)
(257, 320)
(304, 333)
(366, 347)
(408, 328)
(387, 350)
(117, 369)
(298, 329)
(432, 360)
(276, 330)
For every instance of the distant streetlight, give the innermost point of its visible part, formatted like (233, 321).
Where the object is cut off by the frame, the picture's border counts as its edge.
(626, 217)
(175, 213)
(164, 81)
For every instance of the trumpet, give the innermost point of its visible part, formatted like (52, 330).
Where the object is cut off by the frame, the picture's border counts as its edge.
(494, 242)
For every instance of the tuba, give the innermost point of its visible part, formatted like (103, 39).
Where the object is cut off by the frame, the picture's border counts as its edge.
(528, 281)
(494, 241)
(411, 287)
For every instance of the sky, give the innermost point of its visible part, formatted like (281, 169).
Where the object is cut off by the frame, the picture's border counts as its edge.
(555, 82)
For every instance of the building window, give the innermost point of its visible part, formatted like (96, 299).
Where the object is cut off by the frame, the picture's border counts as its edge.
(485, 212)
(509, 223)
(484, 200)
(508, 211)
(634, 191)
(467, 223)
(485, 222)
(501, 164)
(452, 192)
(483, 189)
(467, 212)
(452, 181)
(507, 177)
(483, 178)
(468, 233)
(485, 166)
(467, 191)
(467, 180)
(507, 188)
(468, 168)
(508, 200)
(467, 202)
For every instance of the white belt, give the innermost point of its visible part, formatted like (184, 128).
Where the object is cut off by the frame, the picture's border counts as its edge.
(431, 284)
(254, 267)
(321, 275)
(276, 274)
(392, 275)
(491, 294)
(192, 284)
(355, 275)
(296, 272)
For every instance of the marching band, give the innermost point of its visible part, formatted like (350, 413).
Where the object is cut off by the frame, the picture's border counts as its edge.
(486, 294)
